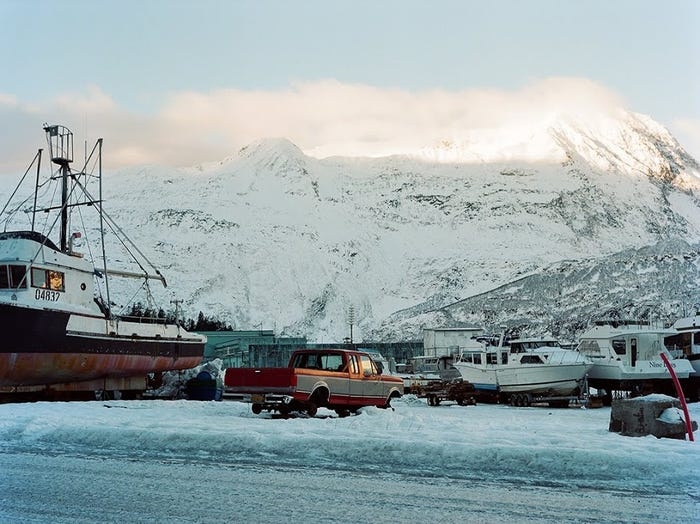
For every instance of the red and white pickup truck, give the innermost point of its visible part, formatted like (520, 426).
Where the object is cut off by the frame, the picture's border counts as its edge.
(338, 379)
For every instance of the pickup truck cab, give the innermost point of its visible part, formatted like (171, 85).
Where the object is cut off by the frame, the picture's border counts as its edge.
(338, 379)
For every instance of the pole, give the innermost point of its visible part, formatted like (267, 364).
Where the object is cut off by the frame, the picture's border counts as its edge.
(681, 397)
(36, 187)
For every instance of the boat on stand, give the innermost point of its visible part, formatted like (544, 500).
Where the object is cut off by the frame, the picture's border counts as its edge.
(626, 356)
(685, 343)
(524, 370)
(60, 334)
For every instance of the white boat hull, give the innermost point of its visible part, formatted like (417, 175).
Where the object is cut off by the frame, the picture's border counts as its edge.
(545, 379)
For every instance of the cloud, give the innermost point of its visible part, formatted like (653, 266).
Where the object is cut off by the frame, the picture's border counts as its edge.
(687, 132)
(323, 118)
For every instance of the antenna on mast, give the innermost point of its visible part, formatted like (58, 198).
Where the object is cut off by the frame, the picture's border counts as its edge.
(60, 140)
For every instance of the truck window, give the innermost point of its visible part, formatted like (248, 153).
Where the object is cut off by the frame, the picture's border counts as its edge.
(331, 361)
(305, 360)
(367, 365)
(352, 364)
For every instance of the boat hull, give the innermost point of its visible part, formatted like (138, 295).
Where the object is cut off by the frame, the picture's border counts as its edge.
(552, 380)
(40, 348)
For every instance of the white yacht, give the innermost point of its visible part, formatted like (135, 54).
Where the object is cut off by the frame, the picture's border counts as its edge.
(626, 357)
(685, 341)
(522, 368)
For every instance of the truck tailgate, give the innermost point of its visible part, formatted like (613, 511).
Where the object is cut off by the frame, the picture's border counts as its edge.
(259, 380)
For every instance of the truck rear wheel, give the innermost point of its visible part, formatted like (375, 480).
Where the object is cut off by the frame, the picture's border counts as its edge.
(311, 409)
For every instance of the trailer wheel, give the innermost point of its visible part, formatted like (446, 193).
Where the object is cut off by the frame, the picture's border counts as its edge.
(256, 408)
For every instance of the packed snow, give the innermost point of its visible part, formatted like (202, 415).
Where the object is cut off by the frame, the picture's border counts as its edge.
(185, 461)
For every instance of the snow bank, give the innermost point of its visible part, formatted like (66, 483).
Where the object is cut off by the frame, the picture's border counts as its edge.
(563, 447)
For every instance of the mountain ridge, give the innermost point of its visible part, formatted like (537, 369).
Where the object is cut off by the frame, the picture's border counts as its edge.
(270, 237)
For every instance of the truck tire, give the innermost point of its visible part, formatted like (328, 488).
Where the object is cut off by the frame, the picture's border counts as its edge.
(311, 409)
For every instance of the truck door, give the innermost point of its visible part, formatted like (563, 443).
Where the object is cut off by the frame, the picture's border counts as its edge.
(336, 376)
(372, 387)
(356, 383)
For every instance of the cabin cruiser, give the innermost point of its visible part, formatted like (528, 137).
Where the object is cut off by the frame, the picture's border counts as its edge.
(56, 315)
(685, 342)
(523, 367)
(626, 357)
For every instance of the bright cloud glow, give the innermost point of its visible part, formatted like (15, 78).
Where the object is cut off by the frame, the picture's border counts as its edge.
(323, 118)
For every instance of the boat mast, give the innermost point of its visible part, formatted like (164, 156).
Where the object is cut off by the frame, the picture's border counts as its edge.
(60, 140)
(102, 231)
(36, 186)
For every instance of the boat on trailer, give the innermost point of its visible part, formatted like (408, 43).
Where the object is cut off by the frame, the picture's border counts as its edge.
(524, 370)
(59, 330)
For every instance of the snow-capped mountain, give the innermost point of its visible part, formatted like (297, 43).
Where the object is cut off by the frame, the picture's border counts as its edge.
(272, 238)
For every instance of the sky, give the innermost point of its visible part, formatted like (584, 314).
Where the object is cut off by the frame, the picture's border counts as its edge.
(180, 83)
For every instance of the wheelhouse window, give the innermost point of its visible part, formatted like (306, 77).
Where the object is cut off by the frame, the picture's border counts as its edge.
(531, 359)
(619, 346)
(13, 277)
(48, 279)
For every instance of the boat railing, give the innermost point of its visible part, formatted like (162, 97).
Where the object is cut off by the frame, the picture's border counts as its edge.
(143, 320)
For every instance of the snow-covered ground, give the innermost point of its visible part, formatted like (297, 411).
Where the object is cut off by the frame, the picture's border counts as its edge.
(183, 461)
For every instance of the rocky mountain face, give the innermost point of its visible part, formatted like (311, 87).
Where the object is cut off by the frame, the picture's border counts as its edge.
(658, 283)
(608, 216)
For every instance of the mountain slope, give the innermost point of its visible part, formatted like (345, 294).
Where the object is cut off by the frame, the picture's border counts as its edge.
(272, 238)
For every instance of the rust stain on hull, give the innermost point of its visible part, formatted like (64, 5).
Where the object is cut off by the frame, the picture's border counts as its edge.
(29, 369)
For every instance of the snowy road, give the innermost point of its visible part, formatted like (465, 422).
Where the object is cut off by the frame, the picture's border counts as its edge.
(41, 488)
(216, 462)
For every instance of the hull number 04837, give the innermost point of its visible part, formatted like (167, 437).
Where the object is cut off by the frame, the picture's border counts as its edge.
(47, 294)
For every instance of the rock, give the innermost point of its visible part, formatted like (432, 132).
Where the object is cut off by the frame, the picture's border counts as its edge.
(658, 415)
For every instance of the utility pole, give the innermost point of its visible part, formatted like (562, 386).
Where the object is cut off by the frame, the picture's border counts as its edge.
(351, 320)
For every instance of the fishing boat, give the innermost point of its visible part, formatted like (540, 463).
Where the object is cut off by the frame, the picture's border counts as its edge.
(59, 329)
(626, 356)
(522, 369)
